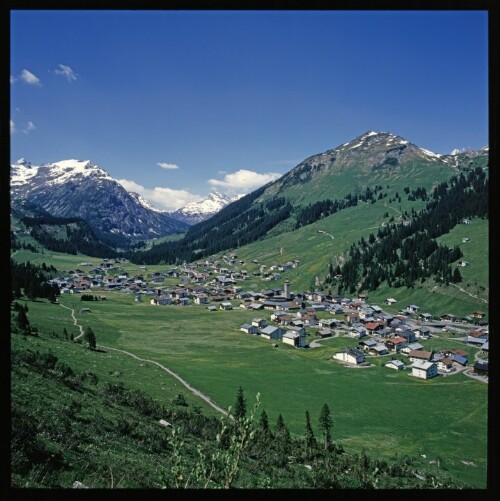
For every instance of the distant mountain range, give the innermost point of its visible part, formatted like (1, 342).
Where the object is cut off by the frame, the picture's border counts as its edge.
(76, 188)
(195, 212)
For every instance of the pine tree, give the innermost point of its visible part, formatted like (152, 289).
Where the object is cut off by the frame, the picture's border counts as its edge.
(326, 424)
(240, 406)
(22, 321)
(264, 425)
(89, 337)
(309, 435)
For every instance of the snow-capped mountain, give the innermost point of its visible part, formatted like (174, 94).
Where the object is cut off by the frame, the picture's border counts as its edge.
(79, 188)
(195, 212)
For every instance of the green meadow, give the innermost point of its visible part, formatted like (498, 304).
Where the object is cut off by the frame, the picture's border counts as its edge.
(376, 409)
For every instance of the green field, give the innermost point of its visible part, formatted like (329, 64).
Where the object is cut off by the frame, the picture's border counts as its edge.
(383, 412)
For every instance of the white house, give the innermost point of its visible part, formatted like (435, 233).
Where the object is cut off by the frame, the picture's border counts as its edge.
(226, 305)
(249, 329)
(423, 369)
(395, 364)
(350, 355)
(294, 338)
(271, 332)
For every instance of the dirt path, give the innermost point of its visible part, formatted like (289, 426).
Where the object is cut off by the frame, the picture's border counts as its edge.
(470, 293)
(166, 369)
(194, 391)
(74, 322)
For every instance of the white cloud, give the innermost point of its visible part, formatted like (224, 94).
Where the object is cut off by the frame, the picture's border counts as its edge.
(161, 198)
(12, 126)
(244, 180)
(28, 77)
(29, 127)
(66, 72)
(167, 166)
(12, 79)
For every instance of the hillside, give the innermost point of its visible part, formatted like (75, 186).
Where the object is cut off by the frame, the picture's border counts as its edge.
(95, 419)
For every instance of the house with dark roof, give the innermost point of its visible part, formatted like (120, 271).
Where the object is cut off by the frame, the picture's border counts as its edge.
(395, 364)
(416, 355)
(481, 367)
(272, 332)
(423, 369)
(350, 355)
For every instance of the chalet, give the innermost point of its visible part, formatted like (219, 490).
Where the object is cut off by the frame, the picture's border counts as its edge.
(162, 300)
(465, 240)
(350, 355)
(365, 313)
(378, 349)
(316, 296)
(448, 317)
(477, 337)
(277, 315)
(426, 317)
(367, 344)
(463, 263)
(201, 299)
(390, 301)
(373, 327)
(260, 323)
(280, 305)
(324, 333)
(299, 329)
(485, 347)
(255, 306)
(358, 332)
(225, 305)
(183, 301)
(396, 343)
(420, 355)
(211, 308)
(478, 314)
(249, 329)
(412, 347)
(423, 369)
(271, 332)
(445, 365)
(294, 338)
(337, 309)
(481, 368)
(395, 364)
(412, 308)
(385, 332)
(408, 335)
(363, 297)
(352, 318)
(422, 333)
(328, 322)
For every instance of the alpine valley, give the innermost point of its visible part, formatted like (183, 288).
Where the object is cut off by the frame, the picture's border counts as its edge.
(350, 297)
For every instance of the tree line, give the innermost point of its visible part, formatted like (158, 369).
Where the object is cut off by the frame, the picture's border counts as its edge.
(401, 254)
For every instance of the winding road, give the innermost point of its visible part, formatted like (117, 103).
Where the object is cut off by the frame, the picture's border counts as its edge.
(194, 391)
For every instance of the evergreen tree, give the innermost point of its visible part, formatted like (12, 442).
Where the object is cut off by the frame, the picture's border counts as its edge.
(309, 435)
(281, 429)
(22, 321)
(240, 405)
(264, 425)
(89, 337)
(65, 333)
(326, 424)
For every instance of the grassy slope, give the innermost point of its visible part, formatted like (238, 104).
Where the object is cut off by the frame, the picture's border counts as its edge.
(384, 412)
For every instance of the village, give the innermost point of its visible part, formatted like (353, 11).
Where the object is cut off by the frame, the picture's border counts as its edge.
(292, 317)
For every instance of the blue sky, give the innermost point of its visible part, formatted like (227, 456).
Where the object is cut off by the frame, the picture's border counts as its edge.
(177, 104)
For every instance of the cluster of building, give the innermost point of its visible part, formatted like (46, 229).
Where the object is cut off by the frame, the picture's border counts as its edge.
(212, 283)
